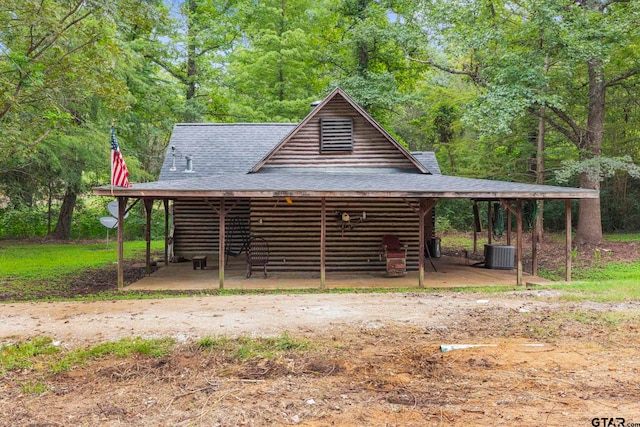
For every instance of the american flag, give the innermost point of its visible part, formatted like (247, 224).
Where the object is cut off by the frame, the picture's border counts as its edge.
(119, 172)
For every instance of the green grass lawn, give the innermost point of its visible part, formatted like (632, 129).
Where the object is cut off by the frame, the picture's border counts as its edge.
(606, 282)
(32, 261)
(37, 271)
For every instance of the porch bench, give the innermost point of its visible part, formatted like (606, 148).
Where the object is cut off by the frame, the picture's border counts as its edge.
(199, 261)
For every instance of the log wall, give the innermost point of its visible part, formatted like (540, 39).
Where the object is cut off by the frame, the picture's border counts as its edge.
(293, 231)
(197, 225)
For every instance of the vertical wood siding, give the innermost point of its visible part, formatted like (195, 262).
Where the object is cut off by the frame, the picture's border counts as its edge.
(370, 147)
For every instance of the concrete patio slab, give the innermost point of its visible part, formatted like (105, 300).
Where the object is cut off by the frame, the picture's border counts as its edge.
(451, 272)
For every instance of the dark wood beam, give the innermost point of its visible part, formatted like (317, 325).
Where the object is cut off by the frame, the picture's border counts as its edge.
(122, 207)
(323, 242)
(148, 207)
(519, 243)
(489, 223)
(221, 237)
(534, 246)
(425, 207)
(567, 217)
(166, 232)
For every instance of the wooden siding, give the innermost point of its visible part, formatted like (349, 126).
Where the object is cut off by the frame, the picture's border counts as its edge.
(197, 225)
(293, 233)
(370, 147)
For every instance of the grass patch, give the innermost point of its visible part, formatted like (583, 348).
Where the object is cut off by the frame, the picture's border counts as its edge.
(34, 387)
(244, 348)
(26, 354)
(49, 271)
(619, 237)
(36, 261)
(607, 282)
(122, 348)
(43, 355)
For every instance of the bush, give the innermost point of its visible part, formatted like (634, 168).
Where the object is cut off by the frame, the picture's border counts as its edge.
(456, 214)
(23, 223)
(27, 223)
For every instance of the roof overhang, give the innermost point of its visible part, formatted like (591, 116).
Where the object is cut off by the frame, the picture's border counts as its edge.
(345, 185)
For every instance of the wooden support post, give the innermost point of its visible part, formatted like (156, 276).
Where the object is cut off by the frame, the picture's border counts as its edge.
(534, 246)
(421, 218)
(476, 226)
(323, 241)
(489, 222)
(166, 232)
(519, 243)
(122, 206)
(221, 248)
(508, 213)
(148, 206)
(567, 216)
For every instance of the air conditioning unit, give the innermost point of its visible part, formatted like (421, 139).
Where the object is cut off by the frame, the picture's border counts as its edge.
(499, 257)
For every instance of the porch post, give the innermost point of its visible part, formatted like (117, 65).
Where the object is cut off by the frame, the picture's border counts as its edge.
(567, 216)
(489, 222)
(421, 218)
(519, 243)
(323, 241)
(508, 213)
(534, 244)
(148, 205)
(476, 226)
(166, 232)
(122, 206)
(221, 248)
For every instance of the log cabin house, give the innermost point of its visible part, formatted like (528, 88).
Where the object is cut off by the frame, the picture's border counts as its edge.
(322, 193)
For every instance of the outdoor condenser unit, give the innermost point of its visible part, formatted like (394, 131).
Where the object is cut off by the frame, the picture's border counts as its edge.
(499, 257)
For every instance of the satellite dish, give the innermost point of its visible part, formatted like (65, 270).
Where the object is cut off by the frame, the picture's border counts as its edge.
(112, 207)
(108, 221)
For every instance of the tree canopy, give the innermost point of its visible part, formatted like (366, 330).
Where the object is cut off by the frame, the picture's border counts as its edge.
(498, 89)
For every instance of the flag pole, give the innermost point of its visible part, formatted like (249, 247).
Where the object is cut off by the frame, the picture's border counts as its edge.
(110, 158)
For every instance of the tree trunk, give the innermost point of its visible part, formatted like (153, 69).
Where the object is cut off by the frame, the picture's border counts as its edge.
(540, 166)
(540, 175)
(63, 227)
(192, 68)
(589, 229)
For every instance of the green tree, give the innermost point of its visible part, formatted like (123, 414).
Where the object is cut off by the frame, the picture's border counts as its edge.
(192, 48)
(556, 60)
(368, 48)
(275, 72)
(58, 69)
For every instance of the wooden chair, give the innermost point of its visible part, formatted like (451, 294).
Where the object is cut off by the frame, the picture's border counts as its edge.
(257, 255)
(395, 255)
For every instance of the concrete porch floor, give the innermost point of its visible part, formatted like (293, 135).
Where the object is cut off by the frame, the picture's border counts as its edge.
(451, 272)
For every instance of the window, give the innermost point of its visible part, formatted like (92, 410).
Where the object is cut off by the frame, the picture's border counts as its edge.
(336, 134)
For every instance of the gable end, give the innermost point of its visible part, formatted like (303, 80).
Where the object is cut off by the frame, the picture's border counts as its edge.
(368, 146)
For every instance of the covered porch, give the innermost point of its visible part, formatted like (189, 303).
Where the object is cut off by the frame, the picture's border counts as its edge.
(452, 272)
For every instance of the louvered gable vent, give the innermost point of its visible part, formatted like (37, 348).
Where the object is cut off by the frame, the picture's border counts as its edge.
(336, 134)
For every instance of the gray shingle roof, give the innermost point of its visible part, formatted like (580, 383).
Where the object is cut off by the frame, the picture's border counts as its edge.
(220, 148)
(223, 154)
(428, 160)
(351, 184)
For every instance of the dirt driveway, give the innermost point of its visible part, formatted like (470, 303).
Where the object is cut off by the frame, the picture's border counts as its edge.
(375, 359)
